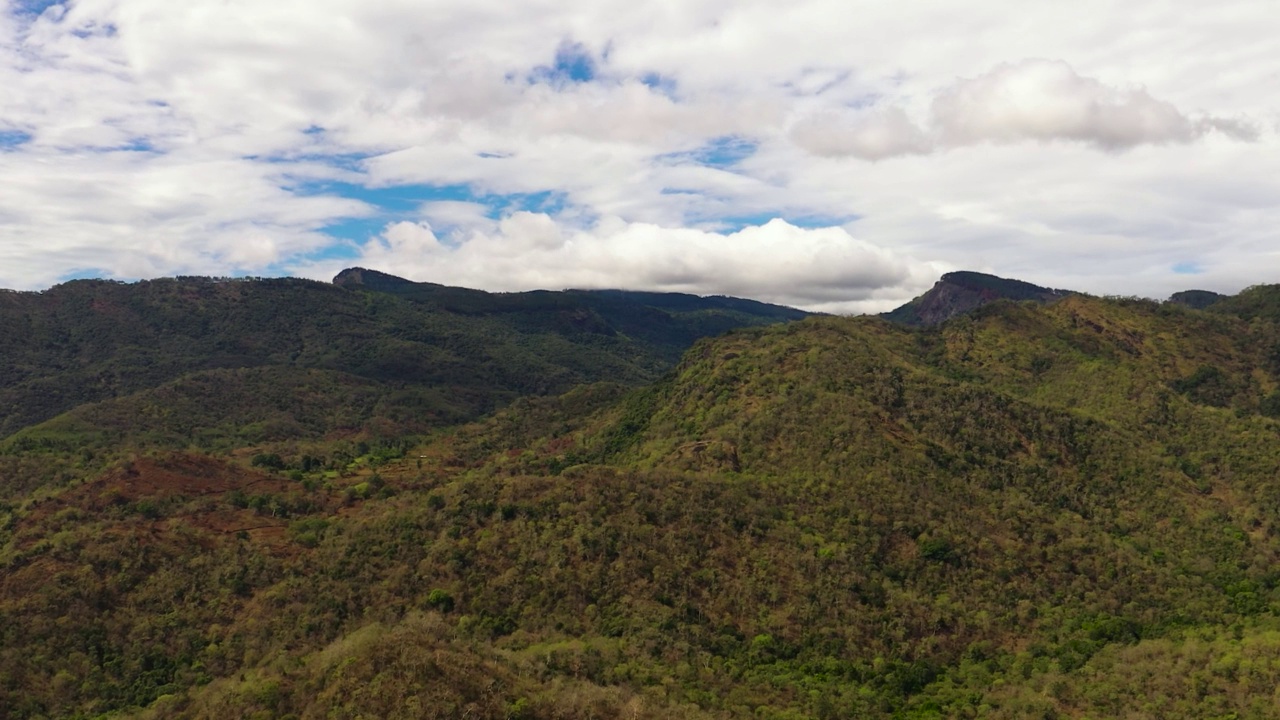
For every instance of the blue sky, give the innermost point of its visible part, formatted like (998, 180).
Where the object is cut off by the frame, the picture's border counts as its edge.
(32, 7)
(404, 203)
(11, 139)
(573, 63)
(819, 157)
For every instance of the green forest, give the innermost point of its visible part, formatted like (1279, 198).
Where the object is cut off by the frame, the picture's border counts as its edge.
(383, 499)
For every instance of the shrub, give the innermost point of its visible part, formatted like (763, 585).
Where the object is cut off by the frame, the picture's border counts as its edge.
(440, 600)
(270, 461)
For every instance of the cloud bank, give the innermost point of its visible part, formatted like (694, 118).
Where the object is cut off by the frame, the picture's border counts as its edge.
(1032, 100)
(818, 268)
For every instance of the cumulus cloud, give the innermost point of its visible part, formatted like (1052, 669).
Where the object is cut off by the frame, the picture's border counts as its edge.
(1032, 100)
(776, 261)
(1047, 100)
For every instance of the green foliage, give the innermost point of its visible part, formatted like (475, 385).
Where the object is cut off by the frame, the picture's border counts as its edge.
(1271, 405)
(636, 410)
(308, 532)
(440, 600)
(1031, 511)
(1208, 385)
(270, 461)
(1259, 302)
(426, 355)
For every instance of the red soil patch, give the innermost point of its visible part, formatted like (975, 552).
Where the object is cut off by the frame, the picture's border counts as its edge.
(186, 475)
(195, 491)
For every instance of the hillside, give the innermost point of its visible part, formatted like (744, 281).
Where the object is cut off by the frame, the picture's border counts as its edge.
(1063, 510)
(442, 354)
(1261, 302)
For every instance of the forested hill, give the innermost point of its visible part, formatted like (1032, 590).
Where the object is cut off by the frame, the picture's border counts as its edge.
(436, 353)
(1045, 510)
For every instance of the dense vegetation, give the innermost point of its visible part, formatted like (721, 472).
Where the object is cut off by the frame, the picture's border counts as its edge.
(1067, 510)
(96, 369)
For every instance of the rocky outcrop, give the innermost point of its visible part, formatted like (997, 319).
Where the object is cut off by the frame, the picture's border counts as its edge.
(961, 292)
(369, 279)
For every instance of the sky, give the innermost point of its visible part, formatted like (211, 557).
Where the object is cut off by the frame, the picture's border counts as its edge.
(829, 155)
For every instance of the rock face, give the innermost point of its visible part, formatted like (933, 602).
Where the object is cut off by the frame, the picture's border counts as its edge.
(961, 292)
(369, 279)
(1197, 299)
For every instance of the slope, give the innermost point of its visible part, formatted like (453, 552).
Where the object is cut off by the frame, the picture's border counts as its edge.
(1063, 510)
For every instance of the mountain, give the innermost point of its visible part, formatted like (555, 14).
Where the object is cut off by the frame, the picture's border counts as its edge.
(1198, 299)
(668, 321)
(961, 292)
(361, 278)
(438, 353)
(1064, 509)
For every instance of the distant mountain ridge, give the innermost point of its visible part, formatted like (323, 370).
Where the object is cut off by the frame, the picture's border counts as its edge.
(450, 353)
(960, 292)
(470, 300)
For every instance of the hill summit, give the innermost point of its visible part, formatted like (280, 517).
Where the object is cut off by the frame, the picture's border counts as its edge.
(963, 291)
(358, 277)
(1198, 299)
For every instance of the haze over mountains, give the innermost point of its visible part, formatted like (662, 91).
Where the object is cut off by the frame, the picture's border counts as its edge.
(279, 498)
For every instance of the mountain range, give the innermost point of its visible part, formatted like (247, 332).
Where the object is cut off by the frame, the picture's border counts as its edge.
(441, 354)
(378, 498)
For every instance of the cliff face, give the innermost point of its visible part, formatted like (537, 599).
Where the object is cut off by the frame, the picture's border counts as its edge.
(369, 279)
(961, 292)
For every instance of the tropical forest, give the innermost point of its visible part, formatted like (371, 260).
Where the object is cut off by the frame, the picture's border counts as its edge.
(375, 498)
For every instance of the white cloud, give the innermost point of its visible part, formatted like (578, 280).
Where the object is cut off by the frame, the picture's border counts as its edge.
(455, 213)
(876, 135)
(136, 214)
(1047, 100)
(817, 268)
(1116, 159)
(1068, 216)
(1032, 100)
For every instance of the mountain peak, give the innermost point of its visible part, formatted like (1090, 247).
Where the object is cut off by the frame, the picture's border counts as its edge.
(962, 291)
(370, 279)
